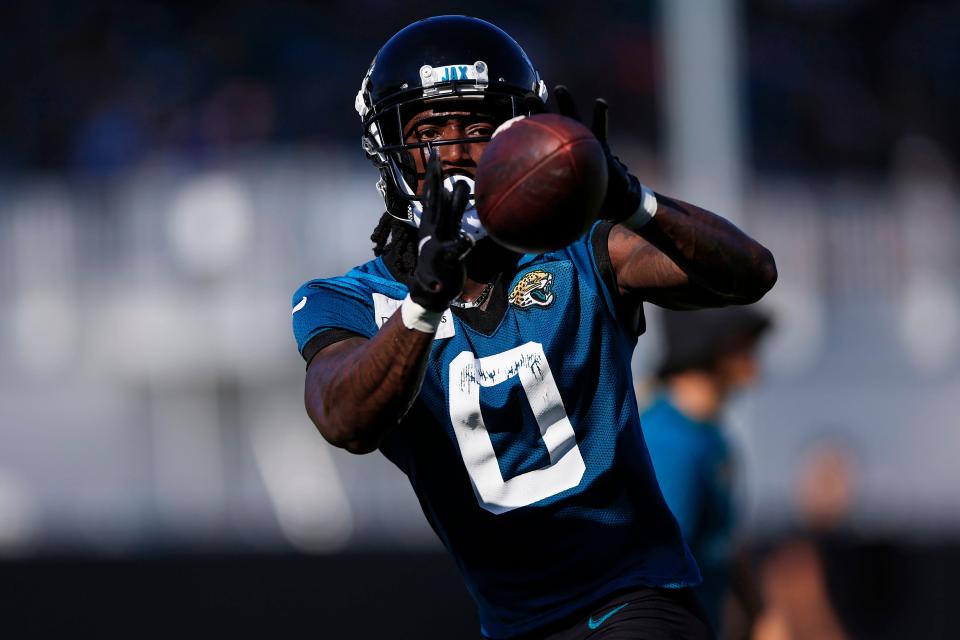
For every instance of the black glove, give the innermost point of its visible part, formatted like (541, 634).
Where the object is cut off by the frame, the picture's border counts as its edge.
(624, 192)
(440, 271)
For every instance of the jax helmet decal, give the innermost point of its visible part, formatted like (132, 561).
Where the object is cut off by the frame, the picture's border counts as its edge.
(439, 59)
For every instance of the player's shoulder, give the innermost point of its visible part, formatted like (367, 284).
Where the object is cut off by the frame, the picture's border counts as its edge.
(357, 302)
(586, 259)
(582, 252)
(361, 283)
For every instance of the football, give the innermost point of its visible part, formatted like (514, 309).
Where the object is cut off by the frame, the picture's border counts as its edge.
(540, 183)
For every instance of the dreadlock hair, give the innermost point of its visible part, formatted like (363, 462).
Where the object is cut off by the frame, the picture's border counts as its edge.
(397, 237)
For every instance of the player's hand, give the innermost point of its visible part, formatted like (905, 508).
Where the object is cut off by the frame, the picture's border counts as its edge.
(624, 191)
(440, 272)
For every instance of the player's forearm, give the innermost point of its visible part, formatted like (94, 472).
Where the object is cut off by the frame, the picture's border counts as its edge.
(357, 397)
(713, 252)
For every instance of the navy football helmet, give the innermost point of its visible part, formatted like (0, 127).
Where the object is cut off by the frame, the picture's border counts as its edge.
(443, 58)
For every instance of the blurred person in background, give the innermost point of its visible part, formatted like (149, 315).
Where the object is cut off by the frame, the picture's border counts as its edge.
(709, 355)
(794, 569)
(793, 586)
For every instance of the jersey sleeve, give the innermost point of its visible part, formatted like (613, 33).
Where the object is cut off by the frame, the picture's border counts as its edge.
(591, 253)
(326, 311)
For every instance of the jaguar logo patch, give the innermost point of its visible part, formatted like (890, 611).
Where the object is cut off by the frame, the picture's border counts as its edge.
(533, 290)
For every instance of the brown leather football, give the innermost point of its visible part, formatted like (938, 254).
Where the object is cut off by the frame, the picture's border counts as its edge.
(540, 183)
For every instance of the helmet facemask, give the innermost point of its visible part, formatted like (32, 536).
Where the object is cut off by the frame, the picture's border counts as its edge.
(462, 88)
(392, 152)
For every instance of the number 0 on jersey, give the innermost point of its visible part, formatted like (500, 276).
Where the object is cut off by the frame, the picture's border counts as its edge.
(468, 374)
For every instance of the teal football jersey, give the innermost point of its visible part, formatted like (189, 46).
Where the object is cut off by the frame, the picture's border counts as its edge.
(524, 445)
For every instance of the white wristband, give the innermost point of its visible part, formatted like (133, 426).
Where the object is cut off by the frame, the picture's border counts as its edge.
(646, 210)
(417, 318)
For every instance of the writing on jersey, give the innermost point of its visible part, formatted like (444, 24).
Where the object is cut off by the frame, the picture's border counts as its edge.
(524, 445)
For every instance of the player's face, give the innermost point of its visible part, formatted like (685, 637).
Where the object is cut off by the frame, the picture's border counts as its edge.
(440, 124)
(435, 125)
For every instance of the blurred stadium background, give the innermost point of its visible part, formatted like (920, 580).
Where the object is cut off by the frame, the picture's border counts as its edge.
(170, 173)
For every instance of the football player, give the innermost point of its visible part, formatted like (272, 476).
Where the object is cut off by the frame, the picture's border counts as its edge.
(500, 383)
(709, 355)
